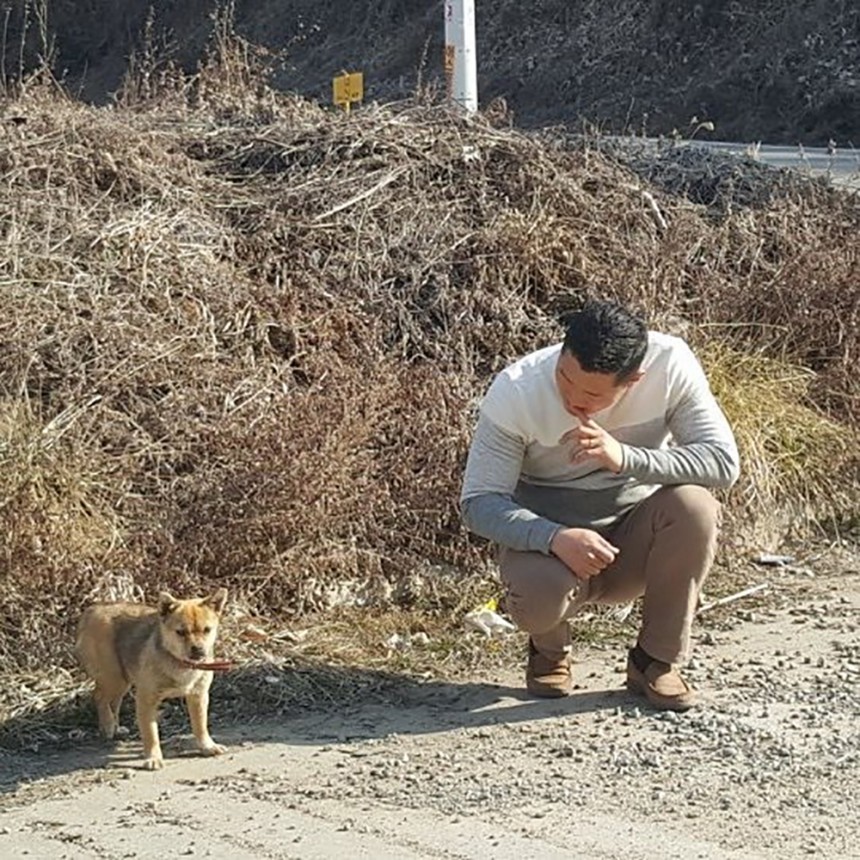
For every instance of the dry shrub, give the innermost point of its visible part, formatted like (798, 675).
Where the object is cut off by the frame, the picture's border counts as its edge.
(798, 465)
(52, 504)
(353, 480)
(797, 288)
(264, 334)
(230, 82)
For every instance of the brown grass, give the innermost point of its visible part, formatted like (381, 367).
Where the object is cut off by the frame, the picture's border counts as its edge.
(244, 338)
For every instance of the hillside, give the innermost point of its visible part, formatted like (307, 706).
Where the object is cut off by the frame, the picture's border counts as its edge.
(244, 336)
(777, 71)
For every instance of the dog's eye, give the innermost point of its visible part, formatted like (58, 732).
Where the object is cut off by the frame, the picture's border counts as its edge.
(207, 630)
(182, 632)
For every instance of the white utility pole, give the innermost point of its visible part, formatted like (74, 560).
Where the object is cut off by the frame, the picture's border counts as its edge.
(461, 65)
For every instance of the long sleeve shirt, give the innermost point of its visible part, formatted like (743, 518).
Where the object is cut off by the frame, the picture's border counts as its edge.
(520, 484)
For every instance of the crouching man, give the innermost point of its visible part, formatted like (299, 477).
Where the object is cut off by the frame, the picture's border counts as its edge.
(590, 467)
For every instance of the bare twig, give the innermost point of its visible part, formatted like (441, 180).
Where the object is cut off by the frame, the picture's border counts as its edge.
(746, 592)
(346, 204)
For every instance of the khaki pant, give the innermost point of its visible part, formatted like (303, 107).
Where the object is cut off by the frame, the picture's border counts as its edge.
(667, 544)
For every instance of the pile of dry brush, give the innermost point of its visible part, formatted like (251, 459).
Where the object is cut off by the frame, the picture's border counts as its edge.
(243, 337)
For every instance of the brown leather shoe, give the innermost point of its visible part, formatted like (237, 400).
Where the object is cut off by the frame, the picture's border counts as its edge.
(661, 684)
(546, 678)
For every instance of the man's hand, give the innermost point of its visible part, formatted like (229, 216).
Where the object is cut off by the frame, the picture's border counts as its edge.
(584, 551)
(594, 443)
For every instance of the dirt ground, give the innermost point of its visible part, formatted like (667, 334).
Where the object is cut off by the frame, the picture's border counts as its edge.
(767, 767)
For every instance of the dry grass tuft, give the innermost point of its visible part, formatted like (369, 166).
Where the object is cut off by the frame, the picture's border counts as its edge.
(798, 463)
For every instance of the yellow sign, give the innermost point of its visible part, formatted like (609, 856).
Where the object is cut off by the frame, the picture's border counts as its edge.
(348, 88)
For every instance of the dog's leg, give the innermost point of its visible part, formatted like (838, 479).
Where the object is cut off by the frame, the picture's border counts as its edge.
(116, 707)
(106, 694)
(198, 710)
(107, 723)
(147, 722)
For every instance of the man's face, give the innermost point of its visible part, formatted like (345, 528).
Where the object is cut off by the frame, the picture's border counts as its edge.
(588, 392)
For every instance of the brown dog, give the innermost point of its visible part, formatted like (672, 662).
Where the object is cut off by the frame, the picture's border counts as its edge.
(156, 651)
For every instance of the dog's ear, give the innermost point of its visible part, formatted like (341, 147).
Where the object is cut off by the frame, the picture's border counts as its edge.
(217, 601)
(167, 603)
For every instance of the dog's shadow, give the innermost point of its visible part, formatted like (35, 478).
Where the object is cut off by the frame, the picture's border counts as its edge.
(349, 705)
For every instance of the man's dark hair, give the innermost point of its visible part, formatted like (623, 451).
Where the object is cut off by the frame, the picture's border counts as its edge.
(605, 337)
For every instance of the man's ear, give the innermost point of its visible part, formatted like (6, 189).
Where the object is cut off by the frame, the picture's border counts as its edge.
(634, 378)
(217, 601)
(166, 604)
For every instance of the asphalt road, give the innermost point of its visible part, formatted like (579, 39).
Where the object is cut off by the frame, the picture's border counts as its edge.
(841, 165)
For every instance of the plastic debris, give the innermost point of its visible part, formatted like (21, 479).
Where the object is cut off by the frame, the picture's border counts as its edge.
(397, 642)
(785, 563)
(404, 641)
(485, 619)
(773, 560)
(620, 613)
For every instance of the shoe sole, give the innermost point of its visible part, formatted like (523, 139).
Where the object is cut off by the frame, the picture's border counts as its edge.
(548, 692)
(661, 703)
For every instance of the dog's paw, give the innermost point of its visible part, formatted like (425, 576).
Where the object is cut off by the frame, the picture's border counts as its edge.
(153, 763)
(212, 749)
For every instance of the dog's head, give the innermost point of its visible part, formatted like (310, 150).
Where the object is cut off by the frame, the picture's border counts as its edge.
(189, 627)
